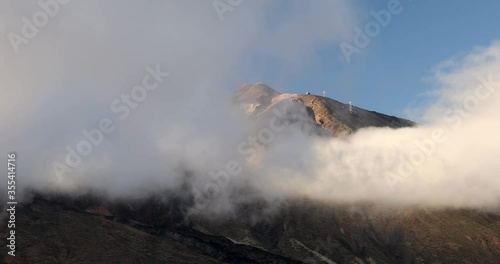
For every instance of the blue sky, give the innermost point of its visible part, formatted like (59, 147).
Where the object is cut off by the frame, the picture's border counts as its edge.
(392, 73)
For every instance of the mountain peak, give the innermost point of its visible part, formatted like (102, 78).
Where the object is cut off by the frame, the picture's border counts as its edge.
(337, 118)
(256, 93)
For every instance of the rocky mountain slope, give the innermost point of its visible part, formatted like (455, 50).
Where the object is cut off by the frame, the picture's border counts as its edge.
(87, 230)
(336, 118)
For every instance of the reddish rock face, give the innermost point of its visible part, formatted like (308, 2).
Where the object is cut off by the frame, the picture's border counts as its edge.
(337, 118)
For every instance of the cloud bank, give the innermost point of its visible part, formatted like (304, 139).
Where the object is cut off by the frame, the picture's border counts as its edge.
(450, 160)
(92, 58)
(89, 63)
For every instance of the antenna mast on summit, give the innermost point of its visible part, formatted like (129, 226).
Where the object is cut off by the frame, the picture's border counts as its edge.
(351, 110)
(324, 93)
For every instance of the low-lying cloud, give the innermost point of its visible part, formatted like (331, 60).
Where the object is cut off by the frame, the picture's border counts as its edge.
(64, 81)
(450, 160)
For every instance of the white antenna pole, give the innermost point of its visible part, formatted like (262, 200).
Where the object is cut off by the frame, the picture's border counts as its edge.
(350, 107)
(324, 93)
